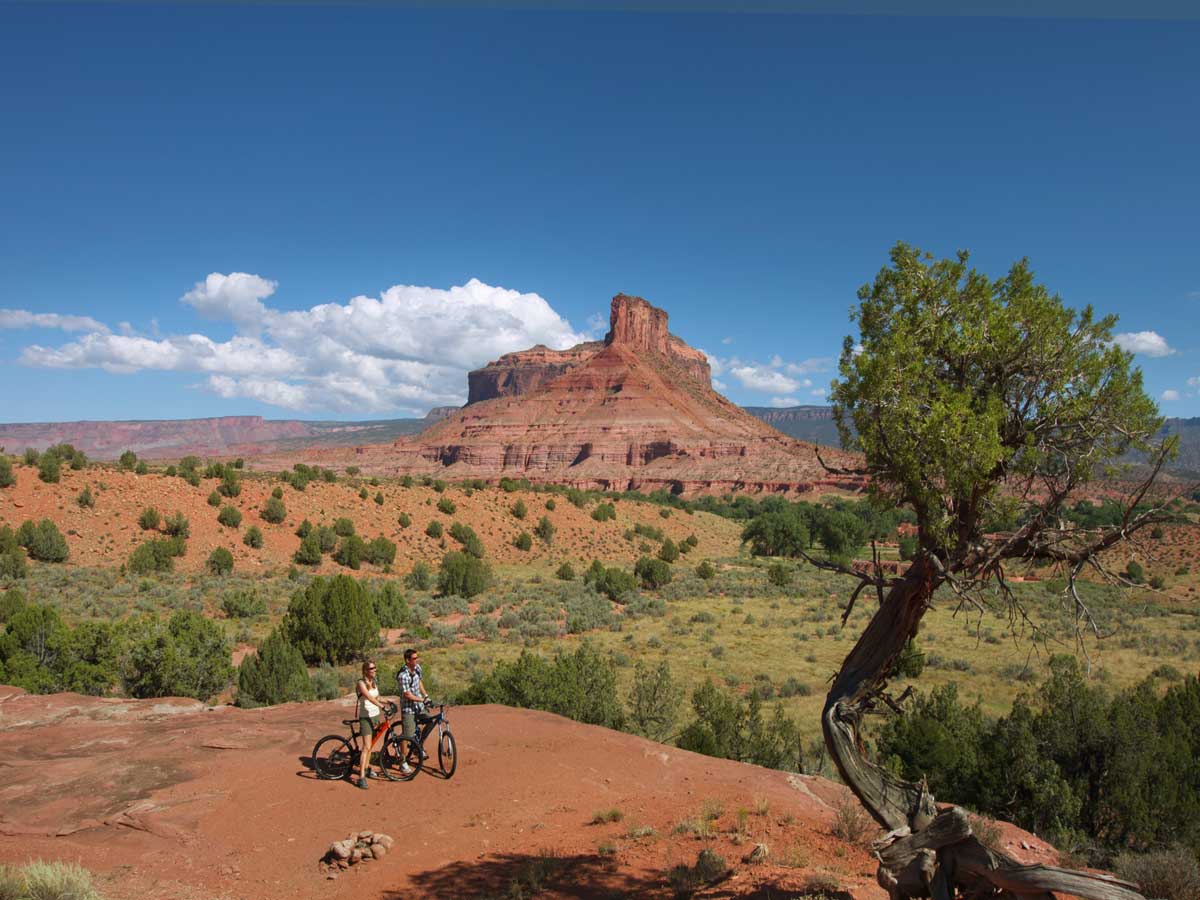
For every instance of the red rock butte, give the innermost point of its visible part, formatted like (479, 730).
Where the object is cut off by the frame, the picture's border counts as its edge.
(634, 411)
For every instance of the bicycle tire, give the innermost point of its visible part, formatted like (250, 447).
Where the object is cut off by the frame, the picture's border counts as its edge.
(333, 757)
(389, 758)
(447, 754)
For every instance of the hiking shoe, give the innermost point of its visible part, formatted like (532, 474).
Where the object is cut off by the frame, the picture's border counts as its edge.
(371, 773)
(362, 783)
(406, 769)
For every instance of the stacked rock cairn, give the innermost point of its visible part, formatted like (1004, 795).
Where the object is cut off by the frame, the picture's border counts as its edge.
(359, 847)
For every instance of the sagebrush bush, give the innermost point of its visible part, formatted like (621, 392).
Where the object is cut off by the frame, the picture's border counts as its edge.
(253, 537)
(524, 542)
(219, 562)
(230, 516)
(274, 511)
(54, 880)
(149, 520)
(214, 499)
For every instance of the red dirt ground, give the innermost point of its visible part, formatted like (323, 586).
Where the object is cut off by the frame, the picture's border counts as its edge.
(171, 799)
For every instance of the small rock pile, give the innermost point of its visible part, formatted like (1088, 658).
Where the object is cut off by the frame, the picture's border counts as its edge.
(359, 847)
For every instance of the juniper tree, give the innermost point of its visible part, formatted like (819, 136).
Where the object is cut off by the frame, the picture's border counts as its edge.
(972, 399)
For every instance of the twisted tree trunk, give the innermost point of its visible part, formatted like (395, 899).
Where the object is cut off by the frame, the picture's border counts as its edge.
(927, 853)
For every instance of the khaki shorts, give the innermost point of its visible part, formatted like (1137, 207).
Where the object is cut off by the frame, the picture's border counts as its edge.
(367, 726)
(409, 731)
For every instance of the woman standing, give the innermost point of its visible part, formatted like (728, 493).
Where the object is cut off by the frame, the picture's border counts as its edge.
(369, 714)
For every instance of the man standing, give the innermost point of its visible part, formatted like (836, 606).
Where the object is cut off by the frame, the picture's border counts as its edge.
(412, 700)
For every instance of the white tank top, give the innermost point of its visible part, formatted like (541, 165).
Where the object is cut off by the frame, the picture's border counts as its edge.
(366, 707)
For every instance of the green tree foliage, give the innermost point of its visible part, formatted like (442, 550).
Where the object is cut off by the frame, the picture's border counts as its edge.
(351, 551)
(652, 573)
(186, 656)
(912, 661)
(49, 468)
(309, 551)
(380, 552)
(7, 478)
(391, 609)
(604, 512)
(40, 654)
(43, 541)
(253, 537)
(782, 533)
(420, 577)
(580, 685)
(13, 564)
(731, 727)
(842, 534)
(327, 538)
(127, 461)
(274, 674)
(230, 516)
(519, 509)
(219, 562)
(332, 620)
(668, 552)
(149, 520)
(12, 602)
(274, 511)
(154, 555)
(470, 541)
(544, 530)
(654, 701)
(463, 575)
(615, 583)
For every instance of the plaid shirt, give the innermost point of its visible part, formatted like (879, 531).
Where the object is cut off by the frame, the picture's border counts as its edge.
(410, 682)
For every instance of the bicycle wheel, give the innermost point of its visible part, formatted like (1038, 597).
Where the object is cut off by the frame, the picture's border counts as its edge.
(333, 757)
(391, 762)
(447, 754)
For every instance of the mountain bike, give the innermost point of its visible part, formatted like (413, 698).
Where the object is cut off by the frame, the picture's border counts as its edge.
(335, 756)
(415, 755)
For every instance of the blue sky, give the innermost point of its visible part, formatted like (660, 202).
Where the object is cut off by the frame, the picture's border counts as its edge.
(191, 198)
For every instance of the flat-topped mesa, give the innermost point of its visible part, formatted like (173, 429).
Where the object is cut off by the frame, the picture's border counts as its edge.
(633, 324)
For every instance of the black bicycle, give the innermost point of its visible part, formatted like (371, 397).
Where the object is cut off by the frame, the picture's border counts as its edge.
(403, 764)
(335, 755)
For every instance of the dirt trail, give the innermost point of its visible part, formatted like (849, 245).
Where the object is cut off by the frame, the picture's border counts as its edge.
(170, 799)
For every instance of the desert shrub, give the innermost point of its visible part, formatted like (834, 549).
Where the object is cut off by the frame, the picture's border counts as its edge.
(243, 604)
(649, 531)
(614, 583)
(668, 552)
(686, 880)
(56, 880)
(85, 499)
(580, 685)
(332, 620)
(304, 529)
(778, 574)
(462, 575)
(732, 727)
(214, 470)
(49, 468)
(7, 479)
(420, 577)
(523, 541)
(351, 551)
(343, 527)
(219, 562)
(519, 510)
(327, 539)
(706, 571)
(274, 511)
(362, 493)
(31, 457)
(127, 461)
(851, 823)
(1134, 572)
(908, 547)
(1172, 873)
(12, 602)
(654, 701)
(470, 541)
(230, 516)
(565, 572)
(380, 552)
(587, 612)
(691, 540)
(446, 506)
(231, 484)
(434, 529)
(379, 498)
(550, 504)
(309, 551)
(155, 555)
(438, 485)
(177, 525)
(277, 492)
(274, 674)
(12, 564)
(149, 520)
(141, 468)
(777, 533)
(911, 662)
(352, 470)
(406, 481)
(652, 573)
(185, 656)
(214, 499)
(43, 541)
(544, 530)
(253, 537)
(604, 512)
(391, 609)
(405, 520)
(1157, 532)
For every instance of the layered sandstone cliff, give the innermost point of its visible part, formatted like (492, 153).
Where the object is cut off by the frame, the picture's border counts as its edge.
(636, 411)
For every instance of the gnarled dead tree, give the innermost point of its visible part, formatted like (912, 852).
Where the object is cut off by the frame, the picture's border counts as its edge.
(984, 406)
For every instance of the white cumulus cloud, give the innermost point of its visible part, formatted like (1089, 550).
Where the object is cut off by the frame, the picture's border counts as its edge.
(782, 402)
(1169, 395)
(23, 318)
(405, 350)
(1147, 343)
(765, 379)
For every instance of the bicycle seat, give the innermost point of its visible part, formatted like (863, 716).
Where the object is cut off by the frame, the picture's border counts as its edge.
(349, 721)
